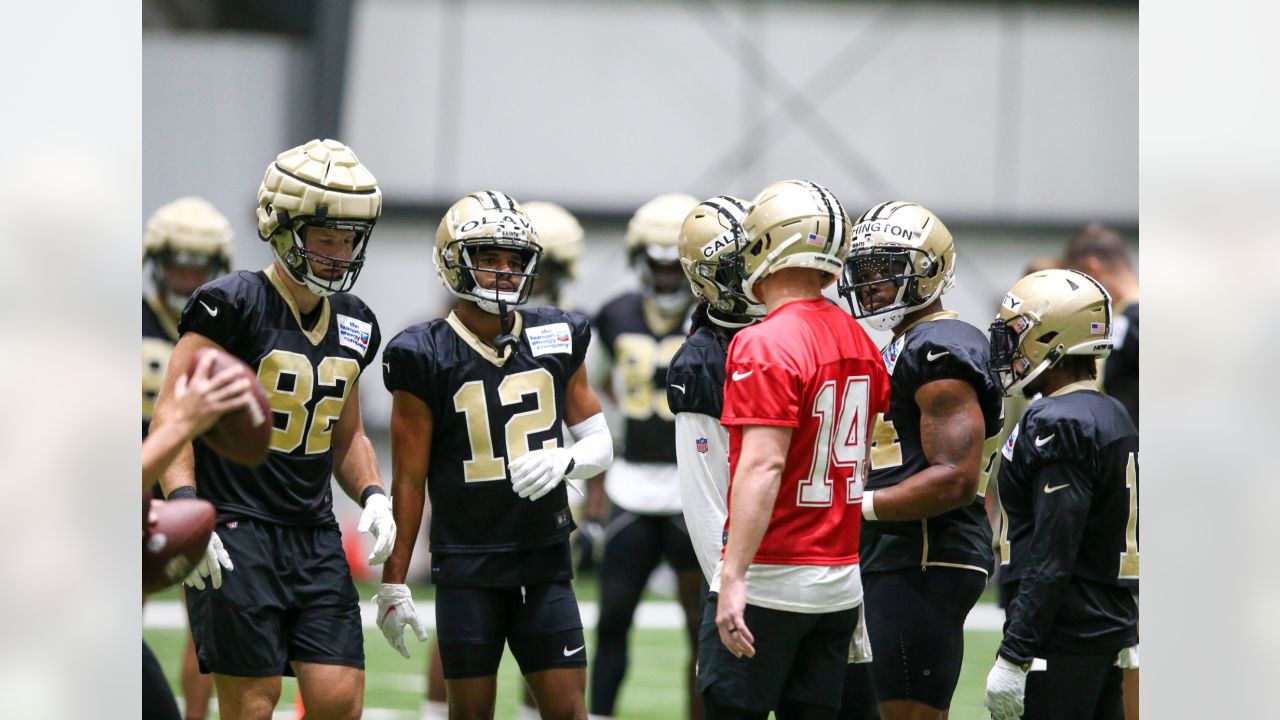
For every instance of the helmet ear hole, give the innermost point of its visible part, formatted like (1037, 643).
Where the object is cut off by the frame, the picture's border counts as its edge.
(1047, 337)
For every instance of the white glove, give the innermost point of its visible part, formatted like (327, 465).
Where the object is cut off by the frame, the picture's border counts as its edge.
(395, 610)
(210, 566)
(1006, 689)
(1128, 658)
(376, 519)
(537, 472)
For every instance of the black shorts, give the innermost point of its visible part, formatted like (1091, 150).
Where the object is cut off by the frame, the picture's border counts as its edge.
(1076, 687)
(289, 598)
(158, 702)
(541, 623)
(648, 539)
(799, 656)
(915, 619)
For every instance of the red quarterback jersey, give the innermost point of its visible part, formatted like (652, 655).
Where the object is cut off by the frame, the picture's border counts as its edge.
(811, 367)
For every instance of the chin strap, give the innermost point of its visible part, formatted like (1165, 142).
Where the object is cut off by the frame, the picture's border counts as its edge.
(505, 339)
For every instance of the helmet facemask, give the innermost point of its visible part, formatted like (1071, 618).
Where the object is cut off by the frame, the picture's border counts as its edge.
(646, 261)
(869, 266)
(301, 261)
(730, 308)
(460, 255)
(1009, 367)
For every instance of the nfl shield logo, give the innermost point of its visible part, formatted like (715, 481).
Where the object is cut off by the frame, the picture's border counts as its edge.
(702, 445)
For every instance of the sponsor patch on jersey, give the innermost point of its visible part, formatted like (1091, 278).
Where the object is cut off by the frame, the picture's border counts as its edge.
(702, 445)
(548, 339)
(354, 333)
(891, 353)
(1007, 450)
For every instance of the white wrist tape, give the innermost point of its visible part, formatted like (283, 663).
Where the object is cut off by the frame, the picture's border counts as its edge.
(593, 447)
(868, 505)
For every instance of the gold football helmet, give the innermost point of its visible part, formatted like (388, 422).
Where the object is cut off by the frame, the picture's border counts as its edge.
(486, 219)
(710, 240)
(793, 223)
(902, 243)
(1045, 317)
(653, 240)
(320, 184)
(187, 242)
(562, 240)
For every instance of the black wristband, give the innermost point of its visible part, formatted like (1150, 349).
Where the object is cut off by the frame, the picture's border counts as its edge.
(369, 492)
(186, 492)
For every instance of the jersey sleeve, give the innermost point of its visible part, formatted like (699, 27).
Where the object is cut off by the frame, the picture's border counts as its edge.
(948, 352)
(406, 366)
(1061, 494)
(580, 327)
(760, 388)
(219, 311)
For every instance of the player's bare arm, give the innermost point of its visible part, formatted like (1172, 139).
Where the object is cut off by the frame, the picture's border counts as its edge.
(581, 401)
(752, 494)
(354, 465)
(411, 428)
(194, 406)
(951, 434)
(182, 471)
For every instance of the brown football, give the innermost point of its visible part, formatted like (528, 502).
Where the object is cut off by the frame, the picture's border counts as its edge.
(243, 436)
(174, 541)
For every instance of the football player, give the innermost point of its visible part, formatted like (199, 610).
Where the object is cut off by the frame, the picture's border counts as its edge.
(709, 242)
(289, 607)
(186, 244)
(478, 402)
(640, 333)
(802, 387)
(1100, 253)
(1069, 485)
(926, 540)
(561, 238)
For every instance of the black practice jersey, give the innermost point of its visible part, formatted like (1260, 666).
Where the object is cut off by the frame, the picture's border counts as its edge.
(486, 411)
(1120, 373)
(159, 335)
(1069, 535)
(640, 357)
(307, 375)
(938, 347)
(695, 379)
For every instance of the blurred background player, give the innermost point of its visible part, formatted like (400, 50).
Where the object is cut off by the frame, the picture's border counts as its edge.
(803, 386)
(562, 239)
(926, 539)
(1069, 484)
(186, 243)
(710, 240)
(1100, 253)
(479, 399)
(640, 331)
(290, 606)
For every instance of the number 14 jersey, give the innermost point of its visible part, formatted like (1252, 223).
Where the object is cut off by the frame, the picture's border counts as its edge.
(488, 410)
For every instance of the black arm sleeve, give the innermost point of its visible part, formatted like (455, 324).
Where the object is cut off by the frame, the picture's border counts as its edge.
(1061, 494)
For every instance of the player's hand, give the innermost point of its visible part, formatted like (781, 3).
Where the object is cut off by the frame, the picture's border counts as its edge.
(1006, 688)
(215, 559)
(1127, 659)
(377, 521)
(395, 610)
(589, 545)
(537, 472)
(730, 607)
(201, 400)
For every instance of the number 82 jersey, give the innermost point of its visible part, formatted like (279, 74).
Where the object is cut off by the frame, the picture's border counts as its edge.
(488, 410)
(306, 374)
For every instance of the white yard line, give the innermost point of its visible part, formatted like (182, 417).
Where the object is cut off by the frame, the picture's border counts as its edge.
(652, 615)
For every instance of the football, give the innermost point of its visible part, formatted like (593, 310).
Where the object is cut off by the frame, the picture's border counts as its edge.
(243, 436)
(175, 538)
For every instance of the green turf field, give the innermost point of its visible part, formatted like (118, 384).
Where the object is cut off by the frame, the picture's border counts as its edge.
(395, 687)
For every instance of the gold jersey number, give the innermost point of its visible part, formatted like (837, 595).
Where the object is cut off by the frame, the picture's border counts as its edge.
(485, 465)
(290, 397)
(638, 359)
(886, 451)
(155, 358)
